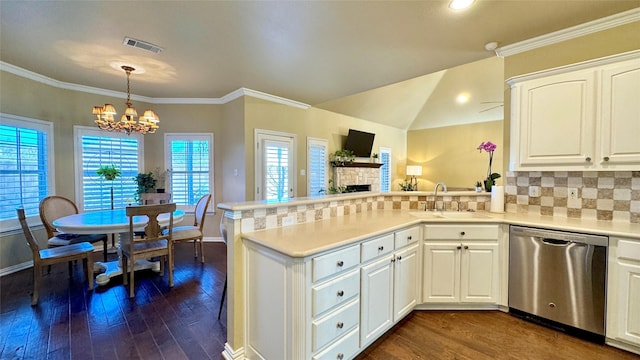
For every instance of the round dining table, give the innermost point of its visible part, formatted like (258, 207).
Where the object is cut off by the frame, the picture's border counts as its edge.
(109, 222)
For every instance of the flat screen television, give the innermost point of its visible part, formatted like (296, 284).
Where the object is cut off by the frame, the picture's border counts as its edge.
(359, 142)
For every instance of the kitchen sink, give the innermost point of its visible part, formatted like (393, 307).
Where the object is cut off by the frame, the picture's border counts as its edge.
(448, 215)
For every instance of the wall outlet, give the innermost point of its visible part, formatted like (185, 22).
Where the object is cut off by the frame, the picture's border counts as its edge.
(572, 193)
(534, 191)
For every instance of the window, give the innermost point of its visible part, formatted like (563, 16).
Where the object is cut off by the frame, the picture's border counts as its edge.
(95, 148)
(189, 159)
(385, 169)
(26, 166)
(275, 165)
(316, 166)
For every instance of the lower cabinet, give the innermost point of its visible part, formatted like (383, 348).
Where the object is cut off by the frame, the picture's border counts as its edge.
(390, 286)
(623, 293)
(461, 264)
(331, 305)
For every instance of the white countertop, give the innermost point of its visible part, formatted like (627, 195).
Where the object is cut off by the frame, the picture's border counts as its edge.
(307, 239)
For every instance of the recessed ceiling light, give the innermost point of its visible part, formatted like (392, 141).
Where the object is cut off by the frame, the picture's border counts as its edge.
(460, 4)
(462, 98)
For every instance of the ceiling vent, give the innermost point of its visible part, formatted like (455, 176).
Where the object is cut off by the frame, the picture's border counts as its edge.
(142, 45)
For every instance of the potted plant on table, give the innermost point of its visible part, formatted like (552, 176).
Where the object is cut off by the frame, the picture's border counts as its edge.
(109, 173)
(146, 184)
(342, 157)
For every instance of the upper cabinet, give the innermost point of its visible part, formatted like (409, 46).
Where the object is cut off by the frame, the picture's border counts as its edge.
(582, 117)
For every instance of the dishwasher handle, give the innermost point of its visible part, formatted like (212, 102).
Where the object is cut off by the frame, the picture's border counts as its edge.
(597, 240)
(555, 242)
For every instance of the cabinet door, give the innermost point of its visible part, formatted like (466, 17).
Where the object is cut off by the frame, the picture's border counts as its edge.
(441, 274)
(556, 120)
(620, 130)
(628, 314)
(376, 312)
(406, 285)
(479, 278)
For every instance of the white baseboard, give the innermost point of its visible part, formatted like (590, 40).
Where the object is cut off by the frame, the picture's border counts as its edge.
(15, 268)
(213, 239)
(230, 354)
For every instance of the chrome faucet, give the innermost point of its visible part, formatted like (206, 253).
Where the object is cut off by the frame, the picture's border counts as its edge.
(435, 195)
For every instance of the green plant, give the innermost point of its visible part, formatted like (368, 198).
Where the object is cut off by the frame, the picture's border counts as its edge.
(332, 189)
(478, 183)
(146, 183)
(407, 185)
(108, 172)
(374, 155)
(342, 157)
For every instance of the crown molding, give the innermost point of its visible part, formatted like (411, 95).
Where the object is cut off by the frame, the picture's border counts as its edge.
(18, 71)
(587, 28)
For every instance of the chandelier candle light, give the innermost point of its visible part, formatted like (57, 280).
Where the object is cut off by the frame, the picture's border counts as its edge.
(148, 123)
(491, 177)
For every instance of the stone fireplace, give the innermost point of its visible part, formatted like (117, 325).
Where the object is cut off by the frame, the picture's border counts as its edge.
(358, 176)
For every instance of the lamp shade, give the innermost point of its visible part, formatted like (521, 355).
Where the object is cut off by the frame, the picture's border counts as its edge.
(414, 170)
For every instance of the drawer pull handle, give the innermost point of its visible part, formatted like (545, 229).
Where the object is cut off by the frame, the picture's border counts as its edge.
(340, 293)
(399, 258)
(466, 247)
(340, 356)
(409, 238)
(380, 248)
(462, 233)
(340, 325)
(587, 159)
(459, 247)
(340, 263)
(606, 158)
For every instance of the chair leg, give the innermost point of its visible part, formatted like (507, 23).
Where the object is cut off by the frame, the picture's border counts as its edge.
(70, 269)
(88, 265)
(224, 293)
(104, 250)
(125, 270)
(170, 266)
(201, 251)
(131, 279)
(195, 249)
(49, 269)
(37, 275)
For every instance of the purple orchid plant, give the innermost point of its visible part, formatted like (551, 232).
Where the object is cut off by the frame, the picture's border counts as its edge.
(491, 177)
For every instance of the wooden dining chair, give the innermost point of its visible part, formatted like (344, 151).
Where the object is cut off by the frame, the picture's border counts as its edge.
(194, 232)
(54, 207)
(45, 257)
(154, 243)
(223, 233)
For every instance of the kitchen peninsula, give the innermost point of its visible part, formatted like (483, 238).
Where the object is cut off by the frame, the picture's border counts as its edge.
(307, 277)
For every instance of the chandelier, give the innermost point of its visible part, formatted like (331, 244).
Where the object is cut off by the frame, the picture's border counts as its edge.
(147, 123)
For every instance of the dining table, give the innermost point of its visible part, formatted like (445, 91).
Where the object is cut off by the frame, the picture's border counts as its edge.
(113, 221)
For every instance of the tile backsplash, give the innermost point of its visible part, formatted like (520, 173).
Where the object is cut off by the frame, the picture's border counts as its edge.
(601, 195)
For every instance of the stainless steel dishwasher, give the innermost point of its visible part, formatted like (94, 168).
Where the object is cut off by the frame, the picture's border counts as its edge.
(559, 278)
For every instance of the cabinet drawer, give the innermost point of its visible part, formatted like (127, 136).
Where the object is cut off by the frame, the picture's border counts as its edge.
(376, 247)
(461, 232)
(344, 348)
(334, 325)
(335, 292)
(628, 250)
(407, 236)
(335, 262)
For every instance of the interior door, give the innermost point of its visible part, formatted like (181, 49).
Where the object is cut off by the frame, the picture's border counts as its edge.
(275, 166)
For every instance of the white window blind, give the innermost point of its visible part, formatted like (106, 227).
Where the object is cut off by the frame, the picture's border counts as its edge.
(317, 161)
(189, 158)
(104, 148)
(26, 167)
(385, 170)
(276, 164)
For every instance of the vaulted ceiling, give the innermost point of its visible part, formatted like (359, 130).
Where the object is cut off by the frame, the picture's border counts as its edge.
(315, 52)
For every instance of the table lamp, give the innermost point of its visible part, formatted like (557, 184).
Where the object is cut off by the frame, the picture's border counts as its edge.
(413, 171)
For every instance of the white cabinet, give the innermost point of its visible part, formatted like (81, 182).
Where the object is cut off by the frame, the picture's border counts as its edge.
(620, 126)
(390, 284)
(583, 117)
(623, 294)
(461, 264)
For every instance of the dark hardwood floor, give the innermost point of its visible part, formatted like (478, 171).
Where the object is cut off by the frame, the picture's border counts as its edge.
(181, 323)
(482, 335)
(71, 323)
